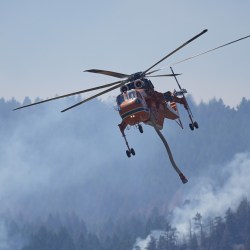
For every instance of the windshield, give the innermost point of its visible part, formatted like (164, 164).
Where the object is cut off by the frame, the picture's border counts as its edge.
(132, 94)
(120, 99)
(126, 96)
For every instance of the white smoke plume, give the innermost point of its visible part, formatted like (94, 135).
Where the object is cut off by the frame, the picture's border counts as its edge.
(213, 194)
(143, 243)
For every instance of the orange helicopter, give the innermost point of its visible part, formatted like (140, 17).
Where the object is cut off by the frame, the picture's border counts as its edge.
(139, 103)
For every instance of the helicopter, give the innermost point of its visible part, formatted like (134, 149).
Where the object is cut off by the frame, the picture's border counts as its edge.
(138, 101)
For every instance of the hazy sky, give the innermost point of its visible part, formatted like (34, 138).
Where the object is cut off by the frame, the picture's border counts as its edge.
(45, 45)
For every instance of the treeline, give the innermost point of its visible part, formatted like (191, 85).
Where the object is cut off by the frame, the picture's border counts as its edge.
(231, 231)
(59, 232)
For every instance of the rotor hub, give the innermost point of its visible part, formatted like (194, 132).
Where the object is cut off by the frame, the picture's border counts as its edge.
(136, 76)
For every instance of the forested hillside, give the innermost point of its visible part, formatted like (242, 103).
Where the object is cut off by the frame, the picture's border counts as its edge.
(58, 167)
(154, 232)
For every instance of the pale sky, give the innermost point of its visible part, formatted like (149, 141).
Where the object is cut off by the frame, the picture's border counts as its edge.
(45, 45)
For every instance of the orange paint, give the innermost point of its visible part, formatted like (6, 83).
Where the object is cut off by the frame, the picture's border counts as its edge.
(135, 106)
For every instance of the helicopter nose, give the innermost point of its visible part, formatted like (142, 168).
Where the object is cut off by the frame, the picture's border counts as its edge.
(134, 113)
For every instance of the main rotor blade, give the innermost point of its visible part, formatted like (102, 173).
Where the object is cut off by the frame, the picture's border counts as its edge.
(107, 72)
(151, 72)
(94, 96)
(184, 44)
(74, 93)
(191, 57)
(165, 75)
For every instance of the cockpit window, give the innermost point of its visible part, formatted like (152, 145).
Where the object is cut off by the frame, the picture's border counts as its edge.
(132, 94)
(120, 99)
(126, 96)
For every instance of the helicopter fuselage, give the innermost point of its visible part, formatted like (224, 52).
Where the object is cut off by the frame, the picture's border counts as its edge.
(137, 102)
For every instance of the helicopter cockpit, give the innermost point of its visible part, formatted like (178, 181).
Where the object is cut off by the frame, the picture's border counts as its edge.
(127, 96)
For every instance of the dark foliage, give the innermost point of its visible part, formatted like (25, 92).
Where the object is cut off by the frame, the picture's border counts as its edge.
(219, 233)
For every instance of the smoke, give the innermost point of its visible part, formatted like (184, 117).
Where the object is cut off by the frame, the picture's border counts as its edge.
(143, 243)
(9, 241)
(4, 239)
(223, 187)
(215, 193)
(52, 162)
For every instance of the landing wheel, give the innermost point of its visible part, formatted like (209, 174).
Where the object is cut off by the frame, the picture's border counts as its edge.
(140, 128)
(191, 126)
(132, 151)
(196, 125)
(128, 153)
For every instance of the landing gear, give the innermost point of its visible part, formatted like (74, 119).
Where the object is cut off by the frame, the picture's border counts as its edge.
(132, 151)
(140, 128)
(129, 151)
(194, 125)
(191, 126)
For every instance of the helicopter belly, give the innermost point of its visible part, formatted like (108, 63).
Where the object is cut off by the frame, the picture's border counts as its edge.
(158, 116)
(135, 116)
(158, 122)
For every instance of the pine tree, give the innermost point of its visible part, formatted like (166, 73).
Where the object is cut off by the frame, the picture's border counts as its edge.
(193, 242)
(198, 225)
